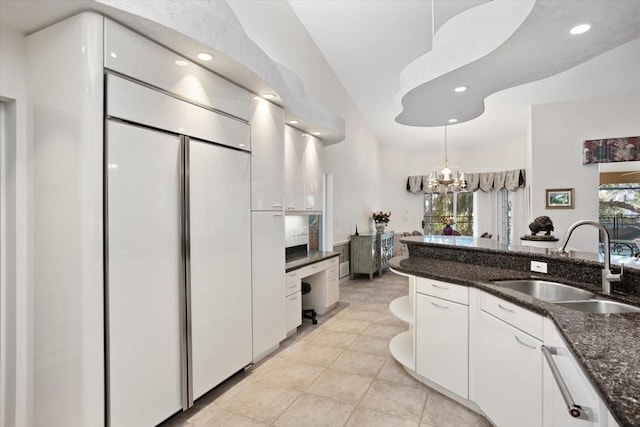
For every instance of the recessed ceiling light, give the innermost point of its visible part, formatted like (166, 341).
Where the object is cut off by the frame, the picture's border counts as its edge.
(461, 89)
(240, 145)
(453, 120)
(268, 96)
(204, 56)
(293, 122)
(317, 133)
(113, 55)
(579, 29)
(181, 63)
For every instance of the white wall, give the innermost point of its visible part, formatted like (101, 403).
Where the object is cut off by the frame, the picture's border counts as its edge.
(558, 131)
(356, 162)
(15, 279)
(407, 208)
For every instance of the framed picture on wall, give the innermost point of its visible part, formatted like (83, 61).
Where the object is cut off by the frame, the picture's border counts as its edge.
(560, 198)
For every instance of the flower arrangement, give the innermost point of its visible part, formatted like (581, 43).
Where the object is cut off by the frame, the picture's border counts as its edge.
(381, 217)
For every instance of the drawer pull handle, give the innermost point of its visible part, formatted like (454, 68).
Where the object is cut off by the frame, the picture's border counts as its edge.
(277, 214)
(439, 306)
(314, 266)
(292, 274)
(440, 287)
(506, 309)
(277, 205)
(293, 298)
(524, 343)
(575, 410)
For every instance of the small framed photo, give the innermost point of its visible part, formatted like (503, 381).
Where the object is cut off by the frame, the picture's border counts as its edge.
(560, 198)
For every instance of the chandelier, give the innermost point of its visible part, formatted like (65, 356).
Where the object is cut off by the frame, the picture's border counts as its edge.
(445, 180)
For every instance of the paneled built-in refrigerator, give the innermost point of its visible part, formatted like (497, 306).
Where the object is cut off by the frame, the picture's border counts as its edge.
(178, 285)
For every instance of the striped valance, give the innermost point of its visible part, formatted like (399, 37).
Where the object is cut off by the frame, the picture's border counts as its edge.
(485, 181)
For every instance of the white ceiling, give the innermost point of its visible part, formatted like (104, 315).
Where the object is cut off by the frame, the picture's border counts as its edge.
(370, 43)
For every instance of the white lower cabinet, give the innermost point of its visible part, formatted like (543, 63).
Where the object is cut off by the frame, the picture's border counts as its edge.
(509, 378)
(442, 343)
(293, 301)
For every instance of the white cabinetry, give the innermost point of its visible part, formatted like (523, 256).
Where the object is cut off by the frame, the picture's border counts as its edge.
(267, 273)
(509, 364)
(293, 301)
(587, 409)
(303, 171)
(442, 328)
(323, 278)
(402, 346)
(267, 157)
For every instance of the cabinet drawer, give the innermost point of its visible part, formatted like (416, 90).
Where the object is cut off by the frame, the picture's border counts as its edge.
(333, 271)
(513, 314)
(293, 286)
(293, 305)
(292, 276)
(444, 290)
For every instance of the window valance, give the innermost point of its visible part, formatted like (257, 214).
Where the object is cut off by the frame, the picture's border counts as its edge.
(485, 181)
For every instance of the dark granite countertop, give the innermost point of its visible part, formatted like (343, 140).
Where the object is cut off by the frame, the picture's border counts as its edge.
(311, 258)
(606, 345)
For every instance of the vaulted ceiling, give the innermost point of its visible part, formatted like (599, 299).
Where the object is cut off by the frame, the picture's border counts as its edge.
(400, 61)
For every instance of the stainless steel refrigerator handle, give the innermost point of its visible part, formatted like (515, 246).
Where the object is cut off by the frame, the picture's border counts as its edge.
(187, 362)
(575, 410)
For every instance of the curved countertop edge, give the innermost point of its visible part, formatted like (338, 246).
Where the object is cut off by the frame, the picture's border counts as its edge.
(311, 258)
(600, 342)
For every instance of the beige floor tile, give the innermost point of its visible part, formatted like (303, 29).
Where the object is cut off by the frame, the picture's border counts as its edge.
(368, 306)
(340, 386)
(363, 417)
(384, 331)
(334, 339)
(351, 314)
(310, 411)
(371, 345)
(258, 401)
(393, 372)
(356, 362)
(312, 354)
(389, 319)
(289, 374)
(214, 416)
(348, 326)
(440, 411)
(395, 399)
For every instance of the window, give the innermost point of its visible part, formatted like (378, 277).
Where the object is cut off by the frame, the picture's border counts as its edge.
(505, 201)
(620, 215)
(458, 206)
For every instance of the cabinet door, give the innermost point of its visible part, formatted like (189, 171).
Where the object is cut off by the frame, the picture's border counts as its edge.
(556, 413)
(144, 275)
(267, 277)
(294, 145)
(267, 158)
(313, 174)
(294, 311)
(220, 238)
(442, 343)
(509, 374)
(333, 290)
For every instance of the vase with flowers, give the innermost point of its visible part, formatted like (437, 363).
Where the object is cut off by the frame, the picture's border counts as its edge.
(381, 219)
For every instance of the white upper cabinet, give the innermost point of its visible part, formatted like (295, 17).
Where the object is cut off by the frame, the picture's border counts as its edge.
(267, 160)
(303, 171)
(135, 56)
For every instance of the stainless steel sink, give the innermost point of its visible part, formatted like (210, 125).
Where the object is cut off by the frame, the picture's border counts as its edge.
(546, 291)
(600, 306)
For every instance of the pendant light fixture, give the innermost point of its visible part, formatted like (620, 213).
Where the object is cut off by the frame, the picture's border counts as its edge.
(446, 180)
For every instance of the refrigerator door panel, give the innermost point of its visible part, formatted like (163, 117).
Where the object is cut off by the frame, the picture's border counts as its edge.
(144, 275)
(220, 250)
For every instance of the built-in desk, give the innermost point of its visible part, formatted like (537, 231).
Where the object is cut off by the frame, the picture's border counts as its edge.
(320, 270)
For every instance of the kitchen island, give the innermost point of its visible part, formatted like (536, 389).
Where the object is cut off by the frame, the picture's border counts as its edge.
(605, 346)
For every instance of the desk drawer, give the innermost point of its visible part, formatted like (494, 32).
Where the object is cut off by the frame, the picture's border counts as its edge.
(293, 286)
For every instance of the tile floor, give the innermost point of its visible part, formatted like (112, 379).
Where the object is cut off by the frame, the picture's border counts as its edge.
(336, 373)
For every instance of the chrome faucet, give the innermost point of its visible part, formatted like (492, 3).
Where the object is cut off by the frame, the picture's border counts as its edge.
(607, 276)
